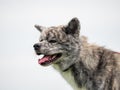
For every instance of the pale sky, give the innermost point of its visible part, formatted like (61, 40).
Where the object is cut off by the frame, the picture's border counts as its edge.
(19, 70)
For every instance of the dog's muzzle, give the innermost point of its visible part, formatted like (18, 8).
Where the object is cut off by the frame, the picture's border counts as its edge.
(36, 46)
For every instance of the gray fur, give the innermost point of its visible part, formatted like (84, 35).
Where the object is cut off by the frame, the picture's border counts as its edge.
(85, 66)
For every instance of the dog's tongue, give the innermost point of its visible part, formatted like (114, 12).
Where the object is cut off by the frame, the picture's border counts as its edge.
(46, 58)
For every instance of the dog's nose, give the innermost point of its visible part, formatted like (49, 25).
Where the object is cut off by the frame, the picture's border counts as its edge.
(36, 46)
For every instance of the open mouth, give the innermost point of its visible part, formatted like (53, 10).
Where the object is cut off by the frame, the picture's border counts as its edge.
(48, 59)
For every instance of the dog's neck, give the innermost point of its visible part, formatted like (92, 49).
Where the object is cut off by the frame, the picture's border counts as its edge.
(90, 54)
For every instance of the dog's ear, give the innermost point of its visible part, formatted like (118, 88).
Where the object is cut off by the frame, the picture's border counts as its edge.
(73, 27)
(40, 28)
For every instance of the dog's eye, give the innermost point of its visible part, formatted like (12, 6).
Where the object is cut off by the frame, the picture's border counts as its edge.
(52, 41)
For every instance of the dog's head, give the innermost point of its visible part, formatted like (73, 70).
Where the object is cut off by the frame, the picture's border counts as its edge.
(59, 45)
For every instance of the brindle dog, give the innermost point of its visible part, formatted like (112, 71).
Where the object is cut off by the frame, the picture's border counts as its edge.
(83, 65)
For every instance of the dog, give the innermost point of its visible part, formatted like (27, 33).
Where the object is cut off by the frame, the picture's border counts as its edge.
(85, 66)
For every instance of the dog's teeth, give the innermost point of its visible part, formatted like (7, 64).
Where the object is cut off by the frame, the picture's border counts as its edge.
(53, 56)
(41, 56)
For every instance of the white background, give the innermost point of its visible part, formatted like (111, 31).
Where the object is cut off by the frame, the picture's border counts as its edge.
(19, 70)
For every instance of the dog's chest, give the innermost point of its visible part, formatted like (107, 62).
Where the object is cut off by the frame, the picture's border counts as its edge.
(67, 75)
